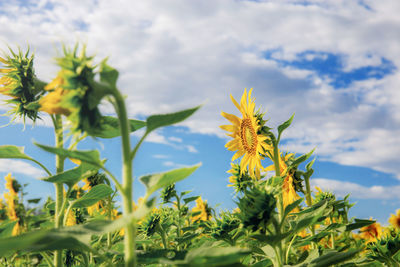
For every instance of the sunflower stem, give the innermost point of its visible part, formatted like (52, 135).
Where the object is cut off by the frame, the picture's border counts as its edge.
(282, 253)
(58, 129)
(127, 180)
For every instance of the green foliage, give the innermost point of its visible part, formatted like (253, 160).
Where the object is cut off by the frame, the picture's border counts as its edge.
(156, 121)
(153, 182)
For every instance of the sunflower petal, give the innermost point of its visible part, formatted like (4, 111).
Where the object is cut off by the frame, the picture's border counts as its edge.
(232, 118)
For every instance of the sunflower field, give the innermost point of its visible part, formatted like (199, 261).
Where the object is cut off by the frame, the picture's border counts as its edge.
(279, 219)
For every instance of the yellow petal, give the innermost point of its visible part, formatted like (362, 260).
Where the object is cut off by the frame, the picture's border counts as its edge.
(235, 102)
(237, 155)
(229, 128)
(232, 118)
(2, 60)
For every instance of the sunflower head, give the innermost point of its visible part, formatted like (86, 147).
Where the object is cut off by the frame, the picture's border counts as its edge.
(248, 141)
(257, 208)
(221, 228)
(12, 185)
(321, 195)
(97, 178)
(371, 233)
(202, 211)
(151, 223)
(74, 92)
(239, 180)
(394, 219)
(167, 193)
(18, 81)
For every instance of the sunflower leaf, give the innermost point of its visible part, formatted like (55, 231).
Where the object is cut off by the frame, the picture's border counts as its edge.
(89, 156)
(157, 121)
(108, 74)
(153, 182)
(95, 194)
(13, 152)
(71, 177)
(283, 126)
(110, 127)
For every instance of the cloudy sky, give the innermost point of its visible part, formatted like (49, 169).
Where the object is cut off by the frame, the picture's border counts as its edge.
(332, 63)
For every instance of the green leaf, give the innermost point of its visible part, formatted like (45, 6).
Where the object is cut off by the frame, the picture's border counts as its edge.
(332, 258)
(110, 127)
(302, 158)
(6, 228)
(190, 199)
(283, 126)
(41, 240)
(156, 121)
(108, 74)
(209, 256)
(358, 224)
(309, 216)
(34, 200)
(88, 156)
(153, 182)
(291, 207)
(95, 194)
(13, 152)
(71, 177)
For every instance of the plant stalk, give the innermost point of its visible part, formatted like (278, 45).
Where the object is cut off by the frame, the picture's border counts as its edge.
(127, 180)
(58, 129)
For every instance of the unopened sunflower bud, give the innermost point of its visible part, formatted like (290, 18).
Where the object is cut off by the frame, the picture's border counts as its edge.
(18, 81)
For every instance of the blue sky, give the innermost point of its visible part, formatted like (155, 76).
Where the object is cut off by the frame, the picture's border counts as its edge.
(334, 64)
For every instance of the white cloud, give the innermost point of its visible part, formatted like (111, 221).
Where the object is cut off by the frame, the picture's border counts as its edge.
(342, 189)
(175, 139)
(191, 149)
(172, 164)
(22, 167)
(176, 55)
(160, 156)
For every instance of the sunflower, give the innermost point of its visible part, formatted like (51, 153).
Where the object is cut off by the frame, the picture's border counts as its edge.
(246, 138)
(371, 232)
(203, 208)
(288, 190)
(18, 81)
(12, 202)
(395, 219)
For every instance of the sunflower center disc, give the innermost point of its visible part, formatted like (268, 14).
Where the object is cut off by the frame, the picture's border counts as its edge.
(248, 136)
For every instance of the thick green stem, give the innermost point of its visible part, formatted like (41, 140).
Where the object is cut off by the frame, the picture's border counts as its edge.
(281, 256)
(308, 191)
(58, 128)
(127, 180)
(309, 202)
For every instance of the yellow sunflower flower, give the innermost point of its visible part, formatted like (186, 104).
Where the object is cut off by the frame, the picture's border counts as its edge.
(246, 139)
(202, 207)
(288, 191)
(371, 232)
(10, 185)
(11, 198)
(71, 220)
(395, 219)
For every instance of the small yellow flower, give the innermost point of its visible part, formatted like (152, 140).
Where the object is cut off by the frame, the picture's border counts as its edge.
(247, 142)
(202, 207)
(395, 219)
